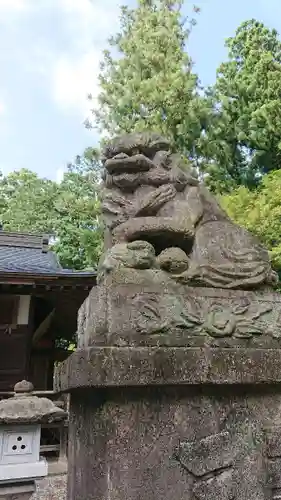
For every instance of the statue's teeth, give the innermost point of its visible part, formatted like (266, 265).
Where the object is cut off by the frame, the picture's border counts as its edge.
(120, 156)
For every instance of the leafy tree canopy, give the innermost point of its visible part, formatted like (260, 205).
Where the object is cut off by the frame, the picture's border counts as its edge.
(146, 79)
(244, 140)
(69, 211)
(259, 211)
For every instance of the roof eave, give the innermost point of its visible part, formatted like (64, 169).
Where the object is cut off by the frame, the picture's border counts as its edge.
(36, 278)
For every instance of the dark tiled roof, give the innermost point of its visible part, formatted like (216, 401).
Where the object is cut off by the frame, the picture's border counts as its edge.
(21, 253)
(17, 259)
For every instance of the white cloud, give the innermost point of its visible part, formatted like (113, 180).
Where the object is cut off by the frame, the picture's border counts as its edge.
(70, 73)
(4, 118)
(75, 73)
(83, 9)
(74, 78)
(3, 107)
(13, 6)
(92, 19)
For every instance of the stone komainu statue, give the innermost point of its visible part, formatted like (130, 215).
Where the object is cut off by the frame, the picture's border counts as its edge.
(175, 270)
(150, 195)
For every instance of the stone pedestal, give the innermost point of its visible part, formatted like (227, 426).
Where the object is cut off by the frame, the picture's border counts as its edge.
(176, 383)
(167, 422)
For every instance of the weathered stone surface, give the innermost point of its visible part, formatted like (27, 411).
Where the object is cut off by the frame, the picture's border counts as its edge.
(207, 454)
(23, 387)
(125, 442)
(149, 194)
(124, 311)
(24, 407)
(173, 260)
(128, 366)
(17, 491)
(135, 255)
(274, 473)
(273, 442)
(276, 494)
(221, 487)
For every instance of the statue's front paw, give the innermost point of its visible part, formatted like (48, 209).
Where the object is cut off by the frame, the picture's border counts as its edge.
(157, 199)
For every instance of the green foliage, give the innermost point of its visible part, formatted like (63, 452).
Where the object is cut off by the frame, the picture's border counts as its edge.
(260, 211)
(69, 211)
(77, 223)
(27, 202)
(244, 140)
(146, 79)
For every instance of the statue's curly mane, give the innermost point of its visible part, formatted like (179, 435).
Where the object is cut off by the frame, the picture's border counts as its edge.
(145, 142)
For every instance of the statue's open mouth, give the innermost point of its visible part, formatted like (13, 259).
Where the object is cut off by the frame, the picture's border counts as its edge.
(123, 163)
(160, 232)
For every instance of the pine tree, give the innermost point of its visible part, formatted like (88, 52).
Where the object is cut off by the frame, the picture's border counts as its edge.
(146, 80)
(245, 137)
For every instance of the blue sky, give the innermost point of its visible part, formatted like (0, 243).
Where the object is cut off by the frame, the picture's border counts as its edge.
(49, 55)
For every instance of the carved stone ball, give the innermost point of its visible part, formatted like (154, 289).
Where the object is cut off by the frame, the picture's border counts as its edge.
(23, 387)
(173, 260)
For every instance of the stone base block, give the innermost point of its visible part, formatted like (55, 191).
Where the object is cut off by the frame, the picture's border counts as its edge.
(162, 444)
(21, 472)
(166, 423)
(129, 366)
(168, 314)
(17, 491)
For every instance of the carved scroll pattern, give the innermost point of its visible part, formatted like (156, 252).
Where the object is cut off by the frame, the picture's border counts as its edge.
(161, 314)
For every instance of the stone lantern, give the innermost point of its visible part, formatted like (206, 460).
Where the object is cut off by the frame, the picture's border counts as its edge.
(20, 429)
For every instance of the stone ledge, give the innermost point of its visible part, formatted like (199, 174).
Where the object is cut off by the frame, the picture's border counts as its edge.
(18, 491)
(23, 471)
(130, 366)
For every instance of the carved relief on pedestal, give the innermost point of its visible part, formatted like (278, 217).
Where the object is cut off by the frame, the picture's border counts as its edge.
(204, 315)
(148, 313)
